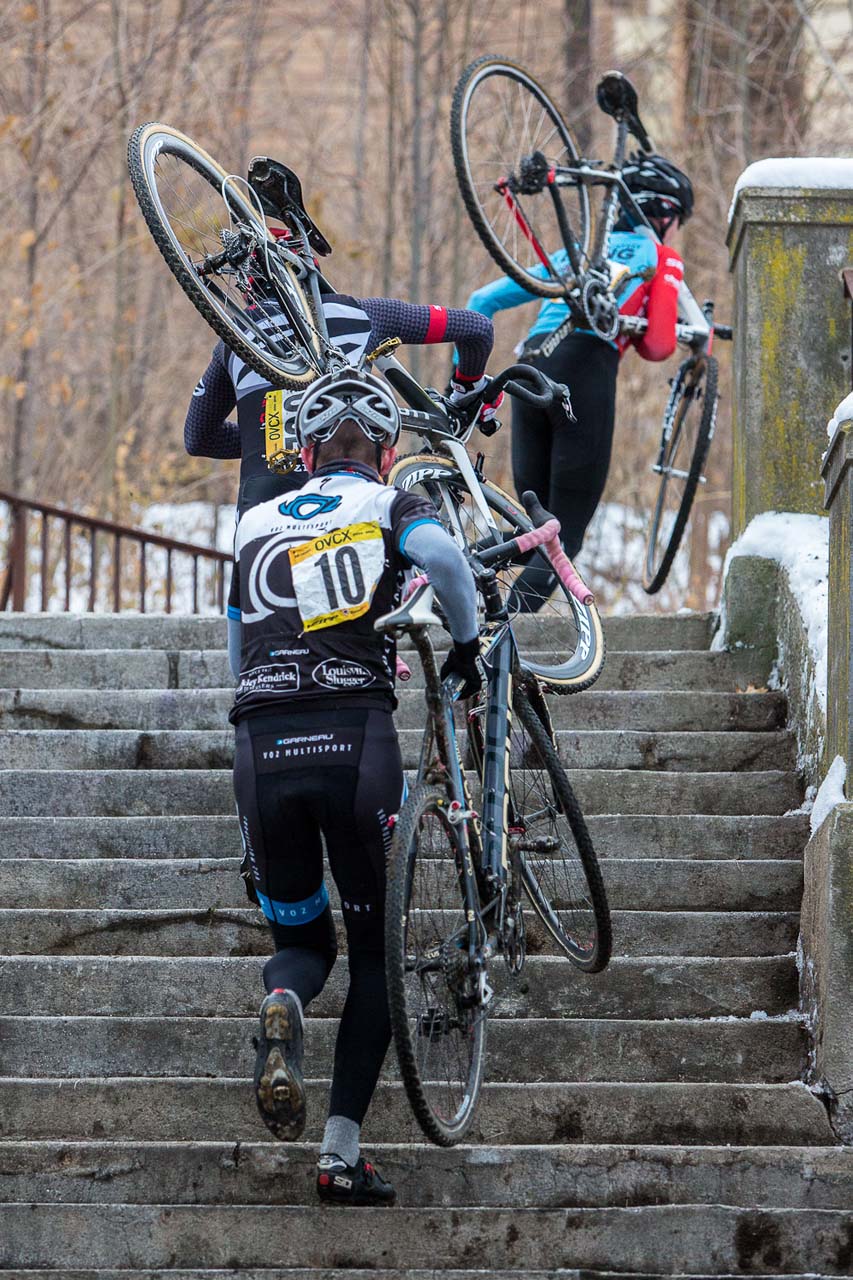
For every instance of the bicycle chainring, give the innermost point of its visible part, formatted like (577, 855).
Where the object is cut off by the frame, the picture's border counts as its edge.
(600, 308)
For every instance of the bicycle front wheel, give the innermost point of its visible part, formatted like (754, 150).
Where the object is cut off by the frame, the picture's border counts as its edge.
(688, 429)
(437, 1017)
(559, 867)
(195, 212)
(559, 639)
(506, 134)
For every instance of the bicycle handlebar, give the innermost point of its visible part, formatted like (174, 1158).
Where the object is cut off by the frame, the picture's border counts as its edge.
(545, 535)
(683, 332)
(548, 392)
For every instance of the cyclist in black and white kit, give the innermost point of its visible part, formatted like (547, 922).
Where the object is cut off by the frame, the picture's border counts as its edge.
(317, 753)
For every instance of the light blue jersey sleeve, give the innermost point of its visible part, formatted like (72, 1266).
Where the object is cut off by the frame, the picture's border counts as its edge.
(502, 294)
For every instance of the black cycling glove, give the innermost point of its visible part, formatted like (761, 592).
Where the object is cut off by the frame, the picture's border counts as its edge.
(462, 661)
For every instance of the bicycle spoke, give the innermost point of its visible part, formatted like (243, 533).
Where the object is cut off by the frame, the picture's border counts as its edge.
(504, 119)
(196, 217)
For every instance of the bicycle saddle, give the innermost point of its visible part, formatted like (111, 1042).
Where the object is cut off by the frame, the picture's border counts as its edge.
(617, 97)
(415, 611)
(280, 193)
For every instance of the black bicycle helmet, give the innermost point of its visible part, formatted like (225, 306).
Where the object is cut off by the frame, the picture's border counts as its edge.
(659, 187)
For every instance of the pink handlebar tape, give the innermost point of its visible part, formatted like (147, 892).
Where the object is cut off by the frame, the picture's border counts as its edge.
(548, 536)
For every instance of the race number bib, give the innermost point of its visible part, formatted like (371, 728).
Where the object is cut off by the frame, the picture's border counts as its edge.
(281, 448)
(334, 576)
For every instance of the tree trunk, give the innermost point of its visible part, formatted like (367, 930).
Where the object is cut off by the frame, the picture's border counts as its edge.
(579, 88)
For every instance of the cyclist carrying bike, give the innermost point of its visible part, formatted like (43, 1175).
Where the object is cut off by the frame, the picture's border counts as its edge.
(356, 326)
(316, 751)
(566, 463)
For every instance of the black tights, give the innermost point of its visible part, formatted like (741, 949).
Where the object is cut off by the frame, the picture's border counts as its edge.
(335, 774)
(565, 463)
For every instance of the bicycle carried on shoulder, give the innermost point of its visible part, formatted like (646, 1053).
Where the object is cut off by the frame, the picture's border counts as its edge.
(457, 876)
(526, 188)
(262, 294)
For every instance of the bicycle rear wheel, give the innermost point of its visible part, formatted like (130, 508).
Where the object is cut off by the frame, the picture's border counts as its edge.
(559, 866)
(438, 1021)
(688, 428)
(503, 126)
(561, 642)
(194, 213)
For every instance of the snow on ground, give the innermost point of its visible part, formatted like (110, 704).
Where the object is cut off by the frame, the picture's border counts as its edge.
(819, 173)
(613, 557)
(200, 522)
(844, 413)
(830, 793)
(800, 544)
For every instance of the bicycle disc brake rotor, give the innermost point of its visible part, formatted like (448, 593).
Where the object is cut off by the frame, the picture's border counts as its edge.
(601, 309)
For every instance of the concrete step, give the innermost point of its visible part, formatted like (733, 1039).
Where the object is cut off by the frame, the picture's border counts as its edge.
(768, 1051)
(173, 631)
(544, 1177)
(549, 987)
(242, 932)
(649, 711)
(387, 1273)
(158, 884)
(647, 836)
(139, 1109)
(214, 749)
(702, 1239)
(120, 793)
(208, 669)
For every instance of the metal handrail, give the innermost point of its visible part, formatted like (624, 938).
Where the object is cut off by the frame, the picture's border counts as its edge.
(14, 585)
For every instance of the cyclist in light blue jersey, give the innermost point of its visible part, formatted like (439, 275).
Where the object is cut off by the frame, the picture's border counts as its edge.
(566, 463)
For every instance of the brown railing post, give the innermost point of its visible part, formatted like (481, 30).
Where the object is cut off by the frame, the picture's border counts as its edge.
(93, 568)
(18, 559)
(66, 538)
(45, 561)
(141, 576)
(117, 573)
(169, 580)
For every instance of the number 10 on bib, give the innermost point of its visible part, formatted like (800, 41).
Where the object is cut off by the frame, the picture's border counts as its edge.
(334, 576)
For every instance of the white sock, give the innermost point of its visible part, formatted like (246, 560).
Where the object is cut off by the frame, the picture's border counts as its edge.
(341, 1138)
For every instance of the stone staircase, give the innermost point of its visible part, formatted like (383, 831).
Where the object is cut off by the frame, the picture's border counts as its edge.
(650, 1120)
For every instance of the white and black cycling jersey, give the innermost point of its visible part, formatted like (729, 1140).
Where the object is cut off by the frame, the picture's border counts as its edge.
(317, 567)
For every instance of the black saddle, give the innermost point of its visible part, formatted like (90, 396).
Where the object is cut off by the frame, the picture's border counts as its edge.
(617, 97)
(280, 193)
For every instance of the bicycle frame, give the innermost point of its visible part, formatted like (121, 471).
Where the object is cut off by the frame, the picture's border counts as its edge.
(694, 328)
(482, 838)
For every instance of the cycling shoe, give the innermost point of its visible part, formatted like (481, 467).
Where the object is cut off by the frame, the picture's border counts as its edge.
(279, 1087)
(342, 1183)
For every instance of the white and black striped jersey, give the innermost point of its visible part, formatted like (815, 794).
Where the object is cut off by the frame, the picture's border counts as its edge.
(316, 569)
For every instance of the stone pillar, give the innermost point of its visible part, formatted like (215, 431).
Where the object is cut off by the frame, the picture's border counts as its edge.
(787, 245)
(826, 976)
(838, 480)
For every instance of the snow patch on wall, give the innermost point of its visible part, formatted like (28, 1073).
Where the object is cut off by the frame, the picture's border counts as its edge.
(844, 413)
(800, 544)
(830, 793)
(815, 173)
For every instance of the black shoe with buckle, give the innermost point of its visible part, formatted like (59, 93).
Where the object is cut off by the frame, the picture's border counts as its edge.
(279, 1087)
(342, 1183)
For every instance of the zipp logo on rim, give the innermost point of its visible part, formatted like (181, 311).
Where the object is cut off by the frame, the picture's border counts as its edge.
(422, 473)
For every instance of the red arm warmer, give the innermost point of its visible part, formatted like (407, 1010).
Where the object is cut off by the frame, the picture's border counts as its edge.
(658, 342)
